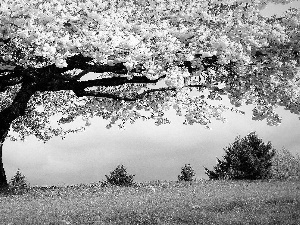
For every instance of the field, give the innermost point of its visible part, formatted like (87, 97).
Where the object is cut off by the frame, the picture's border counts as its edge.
(201, 202)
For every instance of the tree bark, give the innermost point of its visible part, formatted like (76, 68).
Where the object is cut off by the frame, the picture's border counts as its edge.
(3, 181)
(8, 115)
(3, 133)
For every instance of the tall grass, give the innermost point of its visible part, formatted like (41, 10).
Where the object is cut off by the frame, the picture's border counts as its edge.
(202, 202)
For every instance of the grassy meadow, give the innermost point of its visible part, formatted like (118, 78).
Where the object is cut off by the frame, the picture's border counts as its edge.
(200, 202)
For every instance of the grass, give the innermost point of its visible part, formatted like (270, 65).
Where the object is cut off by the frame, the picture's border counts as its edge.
(202, 202)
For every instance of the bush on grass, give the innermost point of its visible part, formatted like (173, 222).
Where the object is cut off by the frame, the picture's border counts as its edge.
(285, 166)
(119, 177)
(246, 158)
(18, 183)
(187, 173)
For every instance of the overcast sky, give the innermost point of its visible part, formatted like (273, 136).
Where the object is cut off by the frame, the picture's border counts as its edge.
(148, 151)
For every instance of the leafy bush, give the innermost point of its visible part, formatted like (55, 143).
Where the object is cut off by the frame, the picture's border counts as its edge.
(187, 173)
(246, 158)
(18, 183)
(285, 165)
(119, 177)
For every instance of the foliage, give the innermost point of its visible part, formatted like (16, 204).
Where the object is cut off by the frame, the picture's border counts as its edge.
(285, 165)
(246, 158)
(18, 183)
(187, 173)
(213, 48)
(119, 177)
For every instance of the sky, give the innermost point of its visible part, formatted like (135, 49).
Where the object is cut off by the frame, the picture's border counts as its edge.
(150, 152)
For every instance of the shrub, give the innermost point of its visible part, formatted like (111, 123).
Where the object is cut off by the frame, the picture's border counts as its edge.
(119, 177)
(187, 173)
(285, 165)
(246, 158)
(18, 183)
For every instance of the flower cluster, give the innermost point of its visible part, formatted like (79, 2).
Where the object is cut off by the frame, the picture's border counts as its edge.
(256, 57)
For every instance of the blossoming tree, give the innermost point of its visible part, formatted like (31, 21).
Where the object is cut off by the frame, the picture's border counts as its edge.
(145, 56)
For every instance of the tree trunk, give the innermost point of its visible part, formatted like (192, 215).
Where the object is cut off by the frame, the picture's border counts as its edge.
(8, 115)
(3, 180)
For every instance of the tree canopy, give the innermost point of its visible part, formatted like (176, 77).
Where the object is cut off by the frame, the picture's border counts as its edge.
(146, 56)
(246, 158)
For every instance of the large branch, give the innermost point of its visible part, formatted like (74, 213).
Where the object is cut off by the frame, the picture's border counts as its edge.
(10, 79)
(60, 81)
(18, 106)
(79, 86)
(9, 74)
(85, 63)
(5, 41)
(135, 97)
(52, 78)
(115, 81)
(124, 98)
